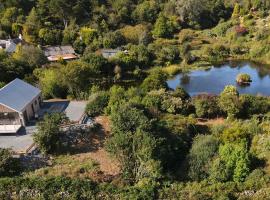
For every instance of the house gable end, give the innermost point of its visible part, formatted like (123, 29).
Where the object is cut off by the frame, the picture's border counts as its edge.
(6, 109)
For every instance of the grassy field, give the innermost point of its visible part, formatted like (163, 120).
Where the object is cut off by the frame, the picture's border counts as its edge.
(69, 166)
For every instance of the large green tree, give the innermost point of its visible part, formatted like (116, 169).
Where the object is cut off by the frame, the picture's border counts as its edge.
(31, 55)
(31, 27)
(82, 75)
(163, 27)
(49, 134)
(233, 163)
(133, 144)
(147, 11)
(229, 101)
(201, 13)
(50, 83)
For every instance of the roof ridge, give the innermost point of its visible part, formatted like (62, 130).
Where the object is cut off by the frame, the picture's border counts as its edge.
(18, 94)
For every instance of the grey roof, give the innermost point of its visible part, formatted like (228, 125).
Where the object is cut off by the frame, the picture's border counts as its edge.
(17, 40)
(108, 53)
(11, 47)
(58, 50)
(76, 110)
(110, 50)
(18, 94)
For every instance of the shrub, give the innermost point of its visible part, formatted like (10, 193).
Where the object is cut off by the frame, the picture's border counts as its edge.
(147, 11)
(229, 101)
(236, 162)
(164, 54)
(241, 30)
(172, 70)
(88, 35)
(163, 27)
(216, 52)
(168, 55)
(96, 104)
(186, 35)
(202, 151)
(2, 84)
(127, 62)
(9, 166)
(256, 180)
(141, 55)
(31, 55)
(179, 132)
(243, 79)
(47, 188)
(153, 100)
(50, 36)
(117, 98)
(254, 105)
(166, 101)
(172, 104)
(50, 83)
(136, 34)
(260, 146)
(237, 49)
(236, 132)
(48, 137)
(181, 93)
(97, 63)
(113, 39)
(156, 80)
(222, 28)
(206, 106)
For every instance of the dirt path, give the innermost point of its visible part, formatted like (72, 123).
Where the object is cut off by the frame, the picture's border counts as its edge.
(107, 165)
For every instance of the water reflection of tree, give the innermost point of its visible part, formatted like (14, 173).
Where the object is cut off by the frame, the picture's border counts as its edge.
(243, 86)
(208, 69)
(262, 69)
(262, 72)
(185, 79)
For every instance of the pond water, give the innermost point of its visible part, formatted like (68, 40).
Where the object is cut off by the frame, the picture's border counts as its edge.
(214, 79)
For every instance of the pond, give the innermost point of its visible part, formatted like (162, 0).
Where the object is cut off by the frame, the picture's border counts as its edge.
(214, 79)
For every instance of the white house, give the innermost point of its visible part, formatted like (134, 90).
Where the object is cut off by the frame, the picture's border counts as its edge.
(10, 45)
(19, 103)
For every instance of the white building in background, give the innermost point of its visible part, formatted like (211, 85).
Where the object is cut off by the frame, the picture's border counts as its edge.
(10, 45)
(56, 53)
(110, 53)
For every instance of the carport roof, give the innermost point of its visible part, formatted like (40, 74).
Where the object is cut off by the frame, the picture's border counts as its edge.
(18, 94)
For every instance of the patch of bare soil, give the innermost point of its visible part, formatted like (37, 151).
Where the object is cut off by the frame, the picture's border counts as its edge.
(108, 166)
(104, 121)
(211, 122)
